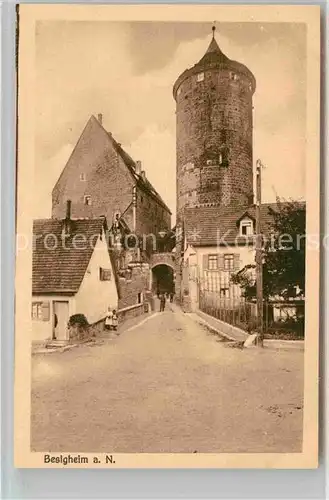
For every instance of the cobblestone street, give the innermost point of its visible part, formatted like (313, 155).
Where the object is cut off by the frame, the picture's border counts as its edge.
(167, 385)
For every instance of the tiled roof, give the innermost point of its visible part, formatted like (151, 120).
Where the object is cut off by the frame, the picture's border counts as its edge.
(142, 181)
(208, 226)
(59, 265)
(213, 54)
(214, 58)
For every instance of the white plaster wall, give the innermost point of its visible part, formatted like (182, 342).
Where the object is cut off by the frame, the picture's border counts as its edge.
(246, 254)
(95, 296)
(193, 257)
(42, 330)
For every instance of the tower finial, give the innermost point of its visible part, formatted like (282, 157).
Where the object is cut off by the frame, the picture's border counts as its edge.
(213, 30)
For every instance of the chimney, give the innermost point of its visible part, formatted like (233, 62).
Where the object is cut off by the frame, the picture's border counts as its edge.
(67, 221)
(68, 210)
(138, 167)
(100, 118)
(143, 175)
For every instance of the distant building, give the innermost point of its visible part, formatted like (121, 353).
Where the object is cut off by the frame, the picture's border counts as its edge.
(73, 272)
(101, 179)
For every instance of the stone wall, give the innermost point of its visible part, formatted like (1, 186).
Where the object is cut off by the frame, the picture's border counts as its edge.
(96, 170)
(136, 282)
(214, 139)
(108, 183)
(151, 216)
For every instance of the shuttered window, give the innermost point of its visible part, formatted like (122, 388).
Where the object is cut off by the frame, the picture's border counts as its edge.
(229, 262)
(41, 311)
(236, 262)
(212, 262)
(221, 262)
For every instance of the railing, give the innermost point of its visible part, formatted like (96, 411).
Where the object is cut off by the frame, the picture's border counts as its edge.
(221, 299)
(235, 311)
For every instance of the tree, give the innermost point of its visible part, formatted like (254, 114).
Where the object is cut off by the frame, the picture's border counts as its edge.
(283, 254)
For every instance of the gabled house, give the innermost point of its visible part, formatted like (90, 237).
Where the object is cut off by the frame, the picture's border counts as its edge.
(73, 272)
(102, 179)
(217, 241)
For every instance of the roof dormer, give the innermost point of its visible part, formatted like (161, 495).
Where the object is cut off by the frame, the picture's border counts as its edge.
(246, 224)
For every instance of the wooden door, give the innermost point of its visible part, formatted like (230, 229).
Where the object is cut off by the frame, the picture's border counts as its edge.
(61, 317)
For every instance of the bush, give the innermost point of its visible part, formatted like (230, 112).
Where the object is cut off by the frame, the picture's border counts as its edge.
(78, 328)
(78, 320)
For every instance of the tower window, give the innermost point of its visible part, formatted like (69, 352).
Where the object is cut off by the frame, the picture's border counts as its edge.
(200, 77)
(233, 76)
(87, 200)
(82, 176)
(250, 87)
(220, 158)
(179, 91)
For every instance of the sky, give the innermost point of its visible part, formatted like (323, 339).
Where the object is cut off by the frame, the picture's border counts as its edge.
(126, 71)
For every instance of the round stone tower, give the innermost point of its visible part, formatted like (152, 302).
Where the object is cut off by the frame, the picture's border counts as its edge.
(214, 132)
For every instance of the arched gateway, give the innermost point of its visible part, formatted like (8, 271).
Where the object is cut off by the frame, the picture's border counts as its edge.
(162, 273)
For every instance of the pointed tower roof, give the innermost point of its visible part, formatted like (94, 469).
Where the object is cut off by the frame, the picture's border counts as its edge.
(213, 54)
(214, 58)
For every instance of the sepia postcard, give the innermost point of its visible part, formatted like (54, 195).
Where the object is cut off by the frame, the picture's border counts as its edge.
(167, 256)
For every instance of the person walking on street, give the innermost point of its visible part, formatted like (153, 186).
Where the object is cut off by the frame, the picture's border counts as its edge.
(162, 302)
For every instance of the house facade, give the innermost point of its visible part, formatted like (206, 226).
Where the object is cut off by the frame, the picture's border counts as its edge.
(73, 273)
(101, 179)
(217, 242)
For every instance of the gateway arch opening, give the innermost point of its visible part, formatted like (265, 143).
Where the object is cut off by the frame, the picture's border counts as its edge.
(163, 279)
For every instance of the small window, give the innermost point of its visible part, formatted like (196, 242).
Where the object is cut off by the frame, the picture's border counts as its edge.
(250, 87)
(179, 91)
(41, 311)
(246, 228)
(224, 293)
(37, 311)
(105, 274)
(200, 77)
(212, 262)
(87, 200)
(140, 298)
(220, 159)
(228, 262)
(82, 176)
(233, 76)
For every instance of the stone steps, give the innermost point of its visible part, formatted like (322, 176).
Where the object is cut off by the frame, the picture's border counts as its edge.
(56, 343)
